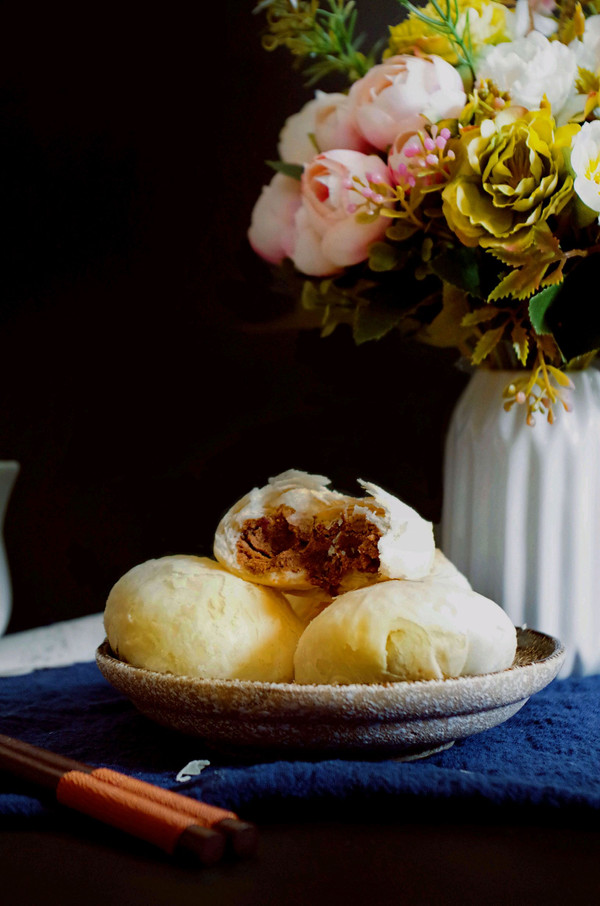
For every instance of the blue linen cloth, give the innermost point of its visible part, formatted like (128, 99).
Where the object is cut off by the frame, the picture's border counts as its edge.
(544, 758)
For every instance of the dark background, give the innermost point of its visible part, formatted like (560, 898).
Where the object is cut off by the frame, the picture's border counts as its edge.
(144, 385)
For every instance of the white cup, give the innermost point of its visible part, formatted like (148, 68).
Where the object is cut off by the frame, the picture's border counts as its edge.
(8, 473)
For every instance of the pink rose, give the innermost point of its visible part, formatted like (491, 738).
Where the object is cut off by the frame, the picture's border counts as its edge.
(328, 236)
(394, 97)
(272, 232)
(329, 118)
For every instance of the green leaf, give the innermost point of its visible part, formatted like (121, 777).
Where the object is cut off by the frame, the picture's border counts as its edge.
(479, 316)
(374, 321)
(385, 257)
(487, 344)
(292, 170)
(536, 261)
(581, 362)
(520, 341)
(446, 328)
(401, 230)
(521, 283)
(461, 268)
(517, 251)
(311, 297)
(538, 308)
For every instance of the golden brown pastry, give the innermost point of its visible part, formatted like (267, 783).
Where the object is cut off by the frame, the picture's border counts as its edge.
(187, 615)
(296, 534)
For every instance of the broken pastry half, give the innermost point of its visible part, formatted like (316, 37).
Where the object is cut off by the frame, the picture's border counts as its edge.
(297, 534)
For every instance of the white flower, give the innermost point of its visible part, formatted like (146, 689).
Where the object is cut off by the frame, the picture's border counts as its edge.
(587, 51)
(531, 67)
(526, 11)
(585, 161)
(587, 55)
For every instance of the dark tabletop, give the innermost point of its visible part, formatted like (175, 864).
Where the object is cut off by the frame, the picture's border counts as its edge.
(308, 864)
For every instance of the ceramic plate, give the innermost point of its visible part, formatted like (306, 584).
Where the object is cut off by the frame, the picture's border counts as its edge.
(407, 719)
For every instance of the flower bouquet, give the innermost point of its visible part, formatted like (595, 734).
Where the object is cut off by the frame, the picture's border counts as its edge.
(451, 190)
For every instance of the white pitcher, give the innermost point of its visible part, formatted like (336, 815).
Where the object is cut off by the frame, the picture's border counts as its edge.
(8, 474)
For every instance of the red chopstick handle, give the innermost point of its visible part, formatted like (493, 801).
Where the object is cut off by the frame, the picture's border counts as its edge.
(205, 815)
(242, 834)
(140, 816)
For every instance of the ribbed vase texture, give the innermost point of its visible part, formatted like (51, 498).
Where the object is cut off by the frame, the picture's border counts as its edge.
(521, 510)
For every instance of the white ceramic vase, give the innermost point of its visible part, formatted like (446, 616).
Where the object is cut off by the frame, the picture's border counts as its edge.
(521, 510)
(8, 474)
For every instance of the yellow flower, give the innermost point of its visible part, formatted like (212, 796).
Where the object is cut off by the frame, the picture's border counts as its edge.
(487, 25)
(413, 34)
(509, 176)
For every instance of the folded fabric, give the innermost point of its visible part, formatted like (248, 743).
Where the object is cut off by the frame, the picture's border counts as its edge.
(544, 757)
(57, 645)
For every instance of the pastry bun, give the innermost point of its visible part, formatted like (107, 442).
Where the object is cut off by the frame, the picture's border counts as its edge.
(296, 534)
(188, 616)
(402, 630)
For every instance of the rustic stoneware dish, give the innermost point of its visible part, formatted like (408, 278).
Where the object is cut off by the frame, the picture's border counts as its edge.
(405, 720)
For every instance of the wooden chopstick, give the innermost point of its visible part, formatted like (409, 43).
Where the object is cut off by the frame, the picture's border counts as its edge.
(169, 820)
